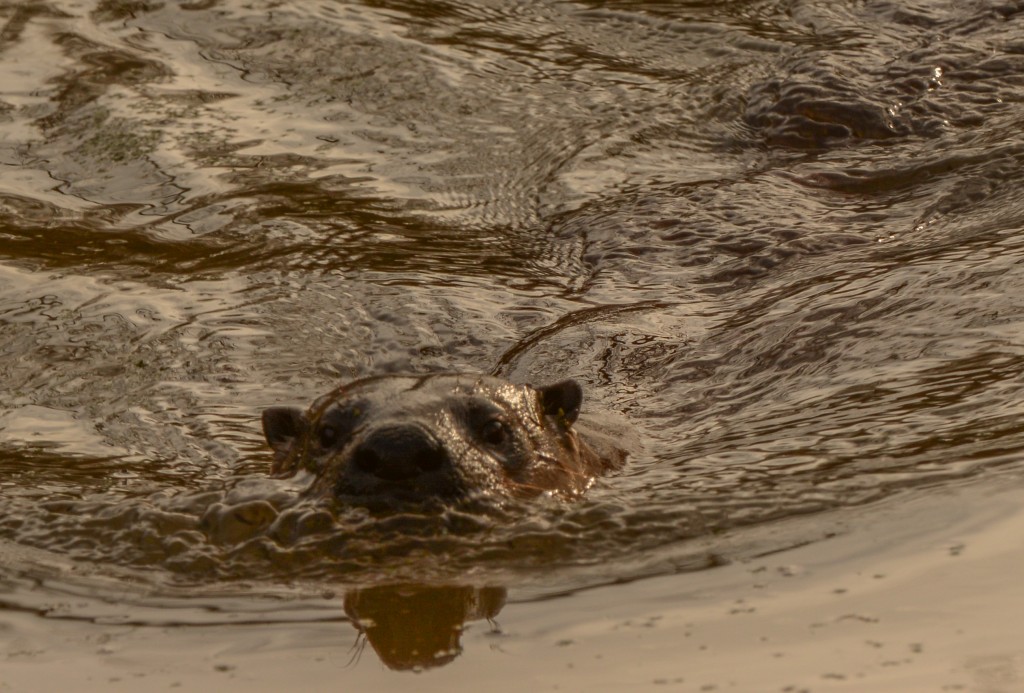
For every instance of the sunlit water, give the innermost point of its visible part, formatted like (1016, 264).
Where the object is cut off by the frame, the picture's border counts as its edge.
(783, 240)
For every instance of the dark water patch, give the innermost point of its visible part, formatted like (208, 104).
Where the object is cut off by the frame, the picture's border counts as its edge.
(704, 237)
(889, 74)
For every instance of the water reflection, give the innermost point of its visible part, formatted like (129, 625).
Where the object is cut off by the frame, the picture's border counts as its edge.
(417, 627)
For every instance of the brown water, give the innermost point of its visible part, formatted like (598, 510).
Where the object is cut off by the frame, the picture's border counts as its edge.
(781, 238)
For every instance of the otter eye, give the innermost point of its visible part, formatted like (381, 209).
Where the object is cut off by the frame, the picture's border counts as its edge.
(328, 436)
(494, 432)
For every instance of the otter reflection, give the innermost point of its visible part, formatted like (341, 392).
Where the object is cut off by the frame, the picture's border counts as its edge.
(418, 627)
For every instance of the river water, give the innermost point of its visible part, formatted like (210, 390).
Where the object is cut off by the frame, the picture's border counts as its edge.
(781, 240)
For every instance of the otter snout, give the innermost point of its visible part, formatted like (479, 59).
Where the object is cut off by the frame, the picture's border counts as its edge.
(400, 452)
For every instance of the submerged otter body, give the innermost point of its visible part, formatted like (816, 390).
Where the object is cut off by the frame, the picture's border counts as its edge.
(438, 436)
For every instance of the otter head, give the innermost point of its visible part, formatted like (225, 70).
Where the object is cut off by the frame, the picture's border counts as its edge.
(436, 436)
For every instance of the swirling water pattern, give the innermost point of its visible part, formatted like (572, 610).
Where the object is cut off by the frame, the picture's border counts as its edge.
(782, 239)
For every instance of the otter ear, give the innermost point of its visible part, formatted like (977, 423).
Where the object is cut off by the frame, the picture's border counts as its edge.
(562, 401)
(282, 425)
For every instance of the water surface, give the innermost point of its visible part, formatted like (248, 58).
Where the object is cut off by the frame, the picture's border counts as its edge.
(782, 239)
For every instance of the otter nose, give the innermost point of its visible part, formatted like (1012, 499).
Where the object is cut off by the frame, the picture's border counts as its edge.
(399, 453)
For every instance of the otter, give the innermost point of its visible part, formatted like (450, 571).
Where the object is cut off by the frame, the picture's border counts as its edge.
(439, 436)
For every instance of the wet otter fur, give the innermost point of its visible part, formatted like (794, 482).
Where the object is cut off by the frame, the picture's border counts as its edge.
(447, 435)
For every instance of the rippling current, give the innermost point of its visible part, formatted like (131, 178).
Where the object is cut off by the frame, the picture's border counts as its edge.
(781, 239)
